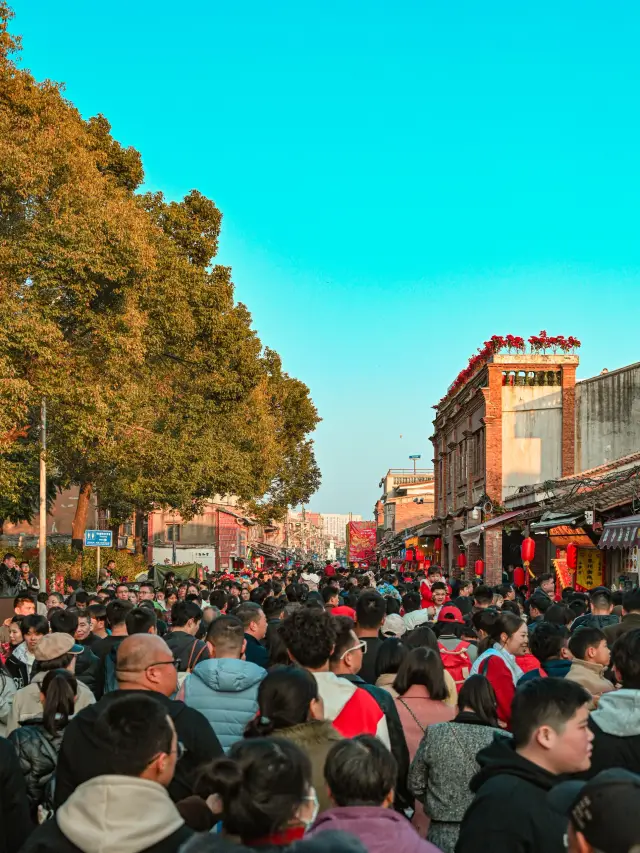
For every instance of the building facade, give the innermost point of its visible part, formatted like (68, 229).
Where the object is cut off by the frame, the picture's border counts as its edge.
(334, 524)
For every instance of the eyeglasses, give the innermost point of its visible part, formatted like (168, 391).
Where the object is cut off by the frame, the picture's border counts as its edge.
(361, 645)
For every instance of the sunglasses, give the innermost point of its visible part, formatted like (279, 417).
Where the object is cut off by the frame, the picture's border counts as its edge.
(361, 645)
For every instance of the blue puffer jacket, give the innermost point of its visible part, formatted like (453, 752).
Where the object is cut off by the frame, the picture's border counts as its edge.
(225, 690)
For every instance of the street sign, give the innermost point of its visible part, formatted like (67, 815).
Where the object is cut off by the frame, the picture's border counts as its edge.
(416, 456)
(98, 538)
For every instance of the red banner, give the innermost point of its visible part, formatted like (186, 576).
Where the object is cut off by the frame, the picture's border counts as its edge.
(361, 541)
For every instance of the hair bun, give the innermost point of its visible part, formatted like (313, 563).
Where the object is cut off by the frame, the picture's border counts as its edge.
(223, 777)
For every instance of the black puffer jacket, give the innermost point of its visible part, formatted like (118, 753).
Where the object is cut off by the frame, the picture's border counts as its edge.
(37, 751)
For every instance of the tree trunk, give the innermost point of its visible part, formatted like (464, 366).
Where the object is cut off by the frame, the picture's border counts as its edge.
(138, 530)
(79, 524)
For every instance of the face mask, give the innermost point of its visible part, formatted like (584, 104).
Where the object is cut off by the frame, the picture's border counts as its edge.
(312, 797)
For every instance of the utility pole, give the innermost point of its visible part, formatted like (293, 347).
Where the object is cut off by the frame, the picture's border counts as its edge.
(42, 539)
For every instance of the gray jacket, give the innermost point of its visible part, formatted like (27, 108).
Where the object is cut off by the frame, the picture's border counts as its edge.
(440, 773)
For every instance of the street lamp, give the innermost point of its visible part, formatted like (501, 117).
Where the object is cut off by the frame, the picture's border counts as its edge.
(415, 458)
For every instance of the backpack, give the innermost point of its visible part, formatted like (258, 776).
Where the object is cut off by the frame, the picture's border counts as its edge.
(191, 663)
(457, 662)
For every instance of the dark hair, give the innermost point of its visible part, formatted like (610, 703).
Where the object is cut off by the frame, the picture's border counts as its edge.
(183, 611)
(248, 612)
(344, 629)
(504, 589)
(435, 570)
(98, 611)
(559, 614)
(540, 602)
(390, 655)
(422, 637)
(227, 633)
(625, 657)
(411, 602)
(505, 623)
(585, 638)
(64, 622)
(422, 666)
(371, 609)
(55, 594)
(631, 601)
(577, 607)
(117, 612)
(509, 606)
(294, 592)
(219, 598)
(147, 585)
(360, 771)
(284, 697)
(59, 687)
(548, 640)
(483, 594)
(544, 702)
(8, 557)
(310, 635)
(484, 620)
(328, 592)
(478, 694)
(140, 620)
(132, 731)
(543, 578)
(261, 784)
(34, 622)
(601, 598)
(23, 596)
(273, 607)
(61, 662)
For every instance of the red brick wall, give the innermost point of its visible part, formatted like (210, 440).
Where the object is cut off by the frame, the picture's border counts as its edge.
(493, 433)
(408, 514)
(568, 419)
(493, 556)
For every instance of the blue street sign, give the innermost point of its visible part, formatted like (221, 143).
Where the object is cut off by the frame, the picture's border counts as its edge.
(98, 538)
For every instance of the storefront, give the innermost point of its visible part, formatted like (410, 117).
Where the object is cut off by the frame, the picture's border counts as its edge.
(621, 541)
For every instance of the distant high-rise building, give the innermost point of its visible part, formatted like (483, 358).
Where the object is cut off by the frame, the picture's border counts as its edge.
(334, 524)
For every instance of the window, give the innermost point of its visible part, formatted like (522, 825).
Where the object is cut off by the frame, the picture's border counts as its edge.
(173, 533)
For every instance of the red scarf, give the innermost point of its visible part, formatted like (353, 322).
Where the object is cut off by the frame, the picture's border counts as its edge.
(282, 838)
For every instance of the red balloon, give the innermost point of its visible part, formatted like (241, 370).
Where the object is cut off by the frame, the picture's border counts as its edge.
(528, 550)
(462, 561)
(479, 568)
(572, 556)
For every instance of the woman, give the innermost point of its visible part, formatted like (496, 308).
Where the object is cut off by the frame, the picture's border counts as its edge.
(445, 762)
(507, 639)
(15, 658)
(37, 740)
(261, 792)
(290, 707)
(423, 637)
(390, 656)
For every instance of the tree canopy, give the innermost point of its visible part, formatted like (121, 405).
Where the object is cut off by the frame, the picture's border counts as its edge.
(159, 391)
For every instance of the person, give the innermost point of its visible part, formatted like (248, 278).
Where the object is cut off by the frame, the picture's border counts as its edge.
(262, 792)
(414, 615)
(144, 664)
(464, 599)
(390, 655)
(55, 599)
(630, 616)
(616, 721)
(255, 630)
(7, 694)
(122, 592)
(602, 615)
(445, 762)
(223, 686)
(106, 649)
(551, 737)
(83, 633)
(28, 581)
(371, 611)
(603, 813)
(538, 606)
(37, 740)
(87, 664)
(546, 588)
(507, 639)
(482, 598)
(360, 774)
(310, 637)
(439, 596)
(434, 575)
(310, 578)
(129, 808)
(15, 820)
(185, 621)
(98, 622)
(15, 654)
(9, 576)
(591, 656)
(549, 644)
(457, 653)
(290, 707)
(33, 628)
(54, 651)
(142, 620)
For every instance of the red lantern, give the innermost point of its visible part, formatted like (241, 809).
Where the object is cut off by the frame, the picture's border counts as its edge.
(528, 550)
(572, 556)
(437, 545)
(479, 568)
(462, 561)
(518, 576)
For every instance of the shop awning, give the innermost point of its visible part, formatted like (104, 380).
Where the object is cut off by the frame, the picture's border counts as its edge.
(621, 533)
(472, 534)
(556, 519)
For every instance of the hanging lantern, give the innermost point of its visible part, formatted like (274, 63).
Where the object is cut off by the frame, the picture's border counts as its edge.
(528, 550)
(479, 568)
(462, 561)
(437, 545)
(572, 556)
(518, 576)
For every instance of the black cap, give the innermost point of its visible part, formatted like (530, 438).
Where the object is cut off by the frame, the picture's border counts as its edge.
(606, 809)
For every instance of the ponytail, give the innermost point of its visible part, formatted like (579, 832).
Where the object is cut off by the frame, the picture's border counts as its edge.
(59, 688)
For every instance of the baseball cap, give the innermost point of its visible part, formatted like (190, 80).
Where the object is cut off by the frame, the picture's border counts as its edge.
(52, 646)
(604, 809)
(393, 626)
(343, 610)
(450, 613)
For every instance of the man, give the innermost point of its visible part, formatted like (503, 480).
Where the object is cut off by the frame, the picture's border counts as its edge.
(220, 599)
(128, 809)
(630, 617)
(616, 721)
(546, 587)
(83, 633)
(87, 663)
(464, 600)
(310, 637)
(255, 630)
(185, 621)
(591, 656)
(603, 813)
(9, 576)
(144, 663)
(414, 615)
(551, 737)
(224, 688)
(98, 622)
(27, 579)
(122, 592)
(141, 620)
(538, 606)
(346, 662)
(601, 616)
(55, 599)
(438, 595)
(434, 575)
(549, 644)
(361, 775)
(146, 592)
(330, 596)
(23, 605)
(106, 649)
(506, 591)
(371, 610)
(54, 651)
(482, 598)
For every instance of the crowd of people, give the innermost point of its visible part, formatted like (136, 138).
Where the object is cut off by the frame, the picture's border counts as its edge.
(332, 709)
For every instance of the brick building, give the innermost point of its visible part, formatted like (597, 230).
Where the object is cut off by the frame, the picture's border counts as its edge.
(507, 422)
(407, 499)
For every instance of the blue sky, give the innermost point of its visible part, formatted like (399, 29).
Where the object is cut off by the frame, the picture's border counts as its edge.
(399, 181)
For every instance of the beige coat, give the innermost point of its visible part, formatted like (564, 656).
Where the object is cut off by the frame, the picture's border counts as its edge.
(589, 676)
(26, 702)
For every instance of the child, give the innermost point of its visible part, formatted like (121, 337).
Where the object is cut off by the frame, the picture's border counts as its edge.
(591, 656)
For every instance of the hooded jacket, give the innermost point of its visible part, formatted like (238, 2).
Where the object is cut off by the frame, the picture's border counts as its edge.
(80, 739)
(122, 813)
(616, 729)
(510, 813)
(26, 702)
(225, 690)
(379, 829)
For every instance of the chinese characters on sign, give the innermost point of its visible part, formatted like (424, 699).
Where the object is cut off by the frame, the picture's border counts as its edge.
(590, 566)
